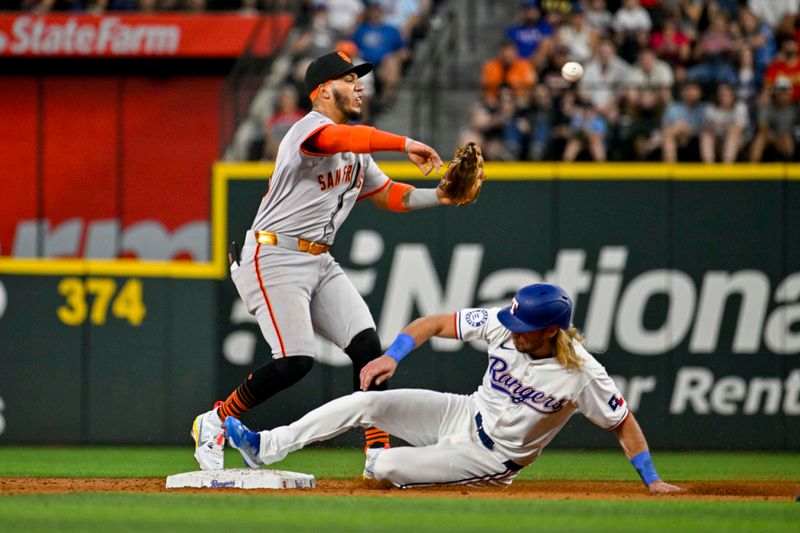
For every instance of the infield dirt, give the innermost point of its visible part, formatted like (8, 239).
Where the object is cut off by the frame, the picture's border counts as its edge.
(557, 490)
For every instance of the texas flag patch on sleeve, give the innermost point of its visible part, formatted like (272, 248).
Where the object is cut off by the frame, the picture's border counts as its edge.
(616, 401)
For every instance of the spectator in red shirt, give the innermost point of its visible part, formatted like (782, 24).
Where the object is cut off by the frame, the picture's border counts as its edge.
(671, 44)
(786, 65)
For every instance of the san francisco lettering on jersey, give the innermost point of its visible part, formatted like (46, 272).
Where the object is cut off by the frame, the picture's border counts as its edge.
(507, 383)
(333, 179)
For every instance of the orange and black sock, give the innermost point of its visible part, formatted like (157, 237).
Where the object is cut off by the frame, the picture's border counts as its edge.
(375, 438)
(263, 383)
(238, 403)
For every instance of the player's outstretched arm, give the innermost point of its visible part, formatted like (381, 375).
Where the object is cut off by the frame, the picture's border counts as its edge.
(336, 138)
(400, 197)
(634, 445)
(415, 334)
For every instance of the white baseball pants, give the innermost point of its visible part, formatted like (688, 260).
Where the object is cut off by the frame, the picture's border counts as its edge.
(439, 426)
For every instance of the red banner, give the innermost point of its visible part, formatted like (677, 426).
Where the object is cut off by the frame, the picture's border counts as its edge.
(109, 167)
(160, 35)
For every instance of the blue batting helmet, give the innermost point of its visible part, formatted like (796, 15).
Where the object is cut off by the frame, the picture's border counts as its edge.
(537, 306)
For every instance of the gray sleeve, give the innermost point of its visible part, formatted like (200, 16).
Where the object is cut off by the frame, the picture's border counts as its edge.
(374, 178)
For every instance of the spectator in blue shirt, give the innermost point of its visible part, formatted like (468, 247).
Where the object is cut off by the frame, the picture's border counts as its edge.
(587, 129)
(533, 36)
(682, 121)
(382, 45)
(406, 15)
(376, 39)
(759, 38)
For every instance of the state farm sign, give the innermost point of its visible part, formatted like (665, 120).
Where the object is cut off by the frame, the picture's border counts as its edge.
(164, 35)
(79, 36)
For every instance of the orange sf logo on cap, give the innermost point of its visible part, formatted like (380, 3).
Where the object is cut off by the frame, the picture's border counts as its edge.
(345, 57)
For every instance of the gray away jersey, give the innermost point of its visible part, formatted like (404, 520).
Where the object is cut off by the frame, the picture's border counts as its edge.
(310, 195)
(526, 401)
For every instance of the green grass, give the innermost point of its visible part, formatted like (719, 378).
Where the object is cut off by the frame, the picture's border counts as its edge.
(243, 512)
(98, 461)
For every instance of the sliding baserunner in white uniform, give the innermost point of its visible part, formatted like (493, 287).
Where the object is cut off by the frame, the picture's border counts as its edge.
(538, 375)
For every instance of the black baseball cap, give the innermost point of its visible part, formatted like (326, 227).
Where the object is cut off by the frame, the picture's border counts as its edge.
(331, 66)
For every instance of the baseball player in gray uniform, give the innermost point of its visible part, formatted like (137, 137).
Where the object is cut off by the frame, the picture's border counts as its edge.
(538, 376)
(285, 275)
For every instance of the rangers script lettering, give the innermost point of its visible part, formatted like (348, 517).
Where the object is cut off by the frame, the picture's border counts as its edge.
(528, 396)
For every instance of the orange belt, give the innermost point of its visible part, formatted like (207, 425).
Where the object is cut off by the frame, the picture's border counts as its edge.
(309, 247)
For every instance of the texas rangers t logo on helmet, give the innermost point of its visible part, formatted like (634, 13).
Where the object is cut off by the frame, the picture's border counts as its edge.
(514, 305)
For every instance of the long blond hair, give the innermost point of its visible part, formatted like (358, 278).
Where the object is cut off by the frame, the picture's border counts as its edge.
(564, 350)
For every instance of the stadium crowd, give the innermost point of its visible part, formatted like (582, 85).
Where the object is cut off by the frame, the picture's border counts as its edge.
(671, 80)
(383, 32)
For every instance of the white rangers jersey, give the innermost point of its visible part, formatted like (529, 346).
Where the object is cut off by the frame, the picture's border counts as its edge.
(525, 401)
(310, 195)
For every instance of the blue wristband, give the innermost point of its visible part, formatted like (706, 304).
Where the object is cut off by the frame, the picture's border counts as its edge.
(643, 463)
(401, 347)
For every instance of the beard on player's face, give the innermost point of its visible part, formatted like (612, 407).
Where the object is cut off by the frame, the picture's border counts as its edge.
(530, 342)
(345, 105)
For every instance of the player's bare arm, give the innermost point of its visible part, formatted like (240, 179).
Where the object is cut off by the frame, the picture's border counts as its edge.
(401, 197)
(415, 334)
(633, 443)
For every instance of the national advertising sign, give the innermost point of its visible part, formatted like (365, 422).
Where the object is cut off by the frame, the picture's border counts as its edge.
(686, 283)
(687, 288)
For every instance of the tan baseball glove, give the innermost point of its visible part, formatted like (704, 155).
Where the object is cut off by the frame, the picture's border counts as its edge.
(464, 176)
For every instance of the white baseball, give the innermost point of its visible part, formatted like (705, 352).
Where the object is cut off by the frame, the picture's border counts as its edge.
(572, 71)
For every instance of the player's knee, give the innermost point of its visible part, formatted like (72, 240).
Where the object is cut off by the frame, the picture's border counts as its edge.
(387, 467)
(364, 347)
(370, 404)
(293, 369)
